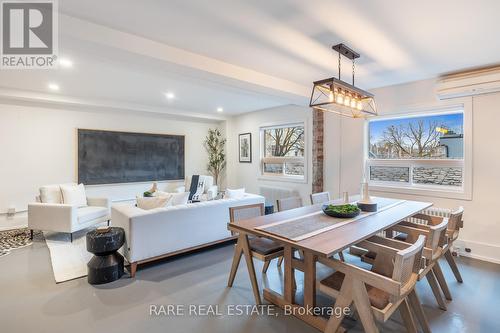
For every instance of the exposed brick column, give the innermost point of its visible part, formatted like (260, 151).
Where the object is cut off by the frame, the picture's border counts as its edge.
(317, 152)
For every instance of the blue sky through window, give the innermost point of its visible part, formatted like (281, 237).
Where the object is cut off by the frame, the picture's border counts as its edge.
(453, 122)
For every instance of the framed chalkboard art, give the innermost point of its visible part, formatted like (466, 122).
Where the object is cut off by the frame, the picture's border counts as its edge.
(109, 157)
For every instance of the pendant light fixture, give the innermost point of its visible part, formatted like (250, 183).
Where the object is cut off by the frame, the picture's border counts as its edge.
(337, 96)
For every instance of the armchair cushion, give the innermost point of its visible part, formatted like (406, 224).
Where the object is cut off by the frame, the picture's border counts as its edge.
(74, 195)
(51, 194)
(99, 202)
(89, 213)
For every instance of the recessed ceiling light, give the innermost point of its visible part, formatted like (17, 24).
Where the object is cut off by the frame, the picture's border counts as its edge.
(219, 109)
(169, 95)
(53, 86)
(65, 62)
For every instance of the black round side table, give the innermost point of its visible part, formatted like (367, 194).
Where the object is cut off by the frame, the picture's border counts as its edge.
(107, 264)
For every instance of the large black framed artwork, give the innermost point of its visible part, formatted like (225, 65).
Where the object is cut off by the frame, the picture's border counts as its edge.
(245, 147)
(110, 157)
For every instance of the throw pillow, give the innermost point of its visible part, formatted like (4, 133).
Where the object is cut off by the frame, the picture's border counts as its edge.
(180, 198)
(197, 187)
(51, 194)
(74, 195)
(176, 198)
(235, 194)
(148, 203)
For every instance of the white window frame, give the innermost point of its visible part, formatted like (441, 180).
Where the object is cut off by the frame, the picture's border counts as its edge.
(463, 192)
(277, 159)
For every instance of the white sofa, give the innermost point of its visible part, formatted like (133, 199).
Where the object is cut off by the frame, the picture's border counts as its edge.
(50, 213)
(159, 232)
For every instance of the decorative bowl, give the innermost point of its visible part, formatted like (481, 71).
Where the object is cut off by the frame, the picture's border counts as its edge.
(338, 210)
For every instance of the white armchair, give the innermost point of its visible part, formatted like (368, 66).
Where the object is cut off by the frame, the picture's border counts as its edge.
(50, 213)
(209, 189)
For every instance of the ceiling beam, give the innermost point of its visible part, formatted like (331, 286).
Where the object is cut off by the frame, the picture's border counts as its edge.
(218, 70)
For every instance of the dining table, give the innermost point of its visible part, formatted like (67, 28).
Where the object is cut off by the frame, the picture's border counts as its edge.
(318, 237)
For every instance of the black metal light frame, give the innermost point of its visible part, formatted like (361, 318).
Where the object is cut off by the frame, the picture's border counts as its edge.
(323, 90)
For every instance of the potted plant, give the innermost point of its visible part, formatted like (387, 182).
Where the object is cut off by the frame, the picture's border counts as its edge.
(215, 144)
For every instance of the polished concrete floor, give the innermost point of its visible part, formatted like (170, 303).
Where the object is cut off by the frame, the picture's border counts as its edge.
(30, 301)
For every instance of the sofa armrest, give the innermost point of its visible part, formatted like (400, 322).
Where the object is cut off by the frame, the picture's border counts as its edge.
(51, 217)
(99, 202)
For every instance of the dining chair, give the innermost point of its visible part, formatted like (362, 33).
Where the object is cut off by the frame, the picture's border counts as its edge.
(455, 223)
(319, 198)
(434, 250)
(261, 248)
(288, 203)
(387, 287)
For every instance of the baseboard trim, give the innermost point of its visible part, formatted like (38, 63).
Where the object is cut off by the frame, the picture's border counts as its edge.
(480, 251)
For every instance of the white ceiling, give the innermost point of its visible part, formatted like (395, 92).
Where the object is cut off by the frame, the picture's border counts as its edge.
(247, 55)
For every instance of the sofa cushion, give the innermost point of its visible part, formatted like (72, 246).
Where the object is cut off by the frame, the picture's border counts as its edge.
(89, 213)
(74, 195)
(235, 194)
(153, 202)
(51, 194)
(180, 198)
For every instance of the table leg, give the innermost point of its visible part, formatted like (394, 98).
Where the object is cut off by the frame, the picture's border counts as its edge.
(363, 306)
(343, 300)
(289, 275)
(309, 280)
(243, 240)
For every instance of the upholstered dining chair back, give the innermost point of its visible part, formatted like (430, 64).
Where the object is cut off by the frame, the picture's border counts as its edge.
(289, 203)
(407, 263)
(239, 213)
(455, 222)
(319, 198)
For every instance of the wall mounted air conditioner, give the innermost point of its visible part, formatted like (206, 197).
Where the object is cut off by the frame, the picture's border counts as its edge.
(470, 83)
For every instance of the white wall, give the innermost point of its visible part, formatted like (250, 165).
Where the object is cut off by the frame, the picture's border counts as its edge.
(482, 221)
(39, 146)
(248, 174)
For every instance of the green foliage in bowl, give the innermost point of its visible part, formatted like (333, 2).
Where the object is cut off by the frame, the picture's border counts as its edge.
(148, 194)
(341, 210)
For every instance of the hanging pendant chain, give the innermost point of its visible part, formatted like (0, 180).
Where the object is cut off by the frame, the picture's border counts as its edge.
(339, 65)
(353, 70)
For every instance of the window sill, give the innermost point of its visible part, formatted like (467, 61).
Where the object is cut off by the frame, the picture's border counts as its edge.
(289, 179)
(447, 193)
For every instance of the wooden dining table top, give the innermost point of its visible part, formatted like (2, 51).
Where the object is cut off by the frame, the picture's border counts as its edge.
(332, 241)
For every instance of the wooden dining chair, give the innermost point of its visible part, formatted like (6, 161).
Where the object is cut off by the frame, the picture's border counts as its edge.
(387, 287)
(261, 248)
(434, 249)
(288, 203)
(455, 223)
(319, 198)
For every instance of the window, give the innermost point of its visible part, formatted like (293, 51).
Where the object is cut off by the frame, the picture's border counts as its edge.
(283, 151)
(424, 152)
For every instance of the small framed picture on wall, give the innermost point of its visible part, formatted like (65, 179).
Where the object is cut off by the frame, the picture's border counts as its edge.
(245, 146)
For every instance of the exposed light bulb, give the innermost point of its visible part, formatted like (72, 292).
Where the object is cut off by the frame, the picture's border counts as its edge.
(354, 103)
(347, 100)
(360, 105)
(331, 96)
(340, 98)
